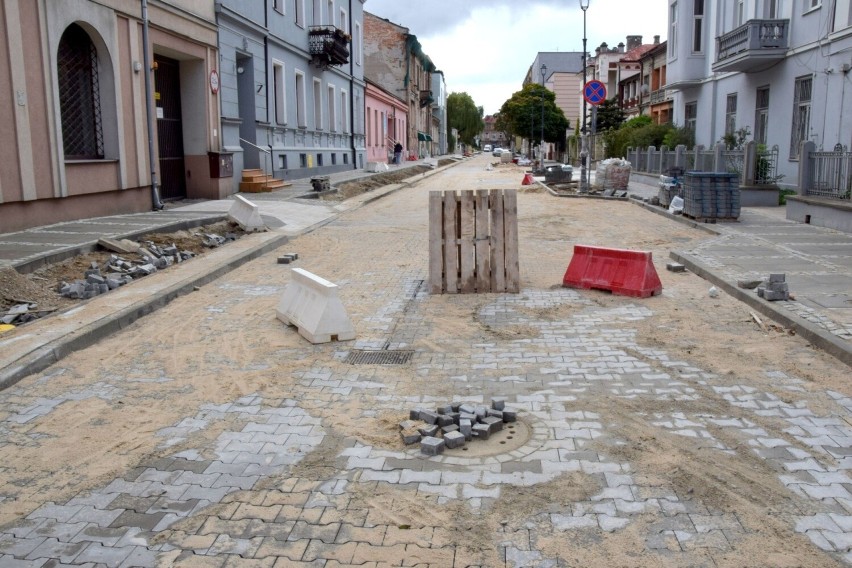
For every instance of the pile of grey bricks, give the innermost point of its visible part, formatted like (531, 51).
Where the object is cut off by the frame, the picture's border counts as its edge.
(21, 313)
(775, 288)
(118, 271)
(452, 425)
(321, 183)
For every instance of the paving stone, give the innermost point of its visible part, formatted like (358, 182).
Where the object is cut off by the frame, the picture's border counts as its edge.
(431, 446)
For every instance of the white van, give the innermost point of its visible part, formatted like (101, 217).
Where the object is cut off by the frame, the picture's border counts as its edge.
(487, 148)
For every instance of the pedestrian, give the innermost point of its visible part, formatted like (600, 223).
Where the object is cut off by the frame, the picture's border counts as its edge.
(397, 153)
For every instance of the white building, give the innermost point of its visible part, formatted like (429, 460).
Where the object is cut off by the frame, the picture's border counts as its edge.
(778, 67)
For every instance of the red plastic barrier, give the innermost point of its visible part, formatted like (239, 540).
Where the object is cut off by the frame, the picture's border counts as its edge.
(528, 180)
(624, 272)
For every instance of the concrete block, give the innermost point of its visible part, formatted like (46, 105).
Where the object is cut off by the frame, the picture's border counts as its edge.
(446, 409)
(466, 428)
(675, 267)
(777, 277)
(432, 446)
(481, 412)
(467, 416)
(95, 279)
(376, 167)
(284, 259)
(772, 296)
(444, 420)
(467, 409)
(429, 417)
(454, 440)
(510, 415)
(778, 287)
(411, 436)
(498, 403)
(760, 290)
(431, 430)
(450, 428)
(749, 284)
(414, 414)
(494, 424)
(313, 305)
(246, 214)
(407, 424)
(481, 431)
(496, 414)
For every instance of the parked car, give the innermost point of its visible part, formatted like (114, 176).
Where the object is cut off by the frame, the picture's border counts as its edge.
(487, 148)
(497, 152)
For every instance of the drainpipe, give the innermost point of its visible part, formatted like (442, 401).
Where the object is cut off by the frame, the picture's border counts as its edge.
(149, 104)
(352, 90)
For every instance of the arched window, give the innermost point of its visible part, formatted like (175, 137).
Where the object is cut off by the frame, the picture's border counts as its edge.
(79, 95)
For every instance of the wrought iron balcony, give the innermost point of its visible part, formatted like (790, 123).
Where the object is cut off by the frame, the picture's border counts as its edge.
(660, 96)
(753, 46)
(328, 45)
(426, 98)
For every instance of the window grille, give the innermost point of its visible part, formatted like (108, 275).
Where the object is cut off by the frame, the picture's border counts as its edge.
(801, 114)
(79, 95)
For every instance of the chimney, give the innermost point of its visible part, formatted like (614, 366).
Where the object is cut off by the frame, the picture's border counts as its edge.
(633, 41)
(621, 47)
(656, 40)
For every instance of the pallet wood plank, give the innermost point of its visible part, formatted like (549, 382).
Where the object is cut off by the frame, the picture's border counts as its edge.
(436, 249)
(498, 269)
(510, 229)
(451, 249)
(466, 243)
(483, 248)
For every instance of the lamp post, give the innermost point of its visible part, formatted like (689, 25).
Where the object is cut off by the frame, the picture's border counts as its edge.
(584, 150)
(541, 146)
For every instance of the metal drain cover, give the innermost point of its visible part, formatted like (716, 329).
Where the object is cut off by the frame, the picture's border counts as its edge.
(385, 357)
(513, 436)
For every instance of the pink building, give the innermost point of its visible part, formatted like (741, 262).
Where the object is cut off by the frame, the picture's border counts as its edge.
(386, 123)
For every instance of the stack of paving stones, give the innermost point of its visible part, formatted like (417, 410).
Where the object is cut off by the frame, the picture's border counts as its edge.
(711, 195)
(118, 271)
(775, 288)
(321, 183)
(452, 425)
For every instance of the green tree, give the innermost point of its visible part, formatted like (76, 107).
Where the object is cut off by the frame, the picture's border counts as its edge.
(609, 116)
(521, 115)
(464, 116)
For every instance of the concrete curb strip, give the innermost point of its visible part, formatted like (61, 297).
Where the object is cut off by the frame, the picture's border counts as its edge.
(817, 336)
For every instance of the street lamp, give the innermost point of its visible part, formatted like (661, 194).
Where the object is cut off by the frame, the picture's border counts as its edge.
(584, 150)
(541, 146)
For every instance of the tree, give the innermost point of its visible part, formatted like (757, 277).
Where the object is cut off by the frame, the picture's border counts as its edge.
(609, 115)
(521, 115)
(464, 116)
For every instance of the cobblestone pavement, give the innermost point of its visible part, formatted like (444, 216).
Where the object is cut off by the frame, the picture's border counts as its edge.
(208, 434)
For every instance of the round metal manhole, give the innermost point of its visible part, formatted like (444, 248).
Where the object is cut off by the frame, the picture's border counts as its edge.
(512, 437)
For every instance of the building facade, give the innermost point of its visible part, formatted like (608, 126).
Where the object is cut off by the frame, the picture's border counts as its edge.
(439, 114)
(293, 87)
(76, 98)
(387, 124)
(394, 59)
(778, 68)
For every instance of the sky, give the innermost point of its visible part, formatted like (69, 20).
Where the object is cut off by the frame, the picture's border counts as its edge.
(485, 47)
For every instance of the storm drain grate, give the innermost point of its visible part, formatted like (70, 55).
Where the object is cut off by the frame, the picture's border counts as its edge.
(360, 357)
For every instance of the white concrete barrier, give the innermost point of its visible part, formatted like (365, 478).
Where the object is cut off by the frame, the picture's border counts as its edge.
(375, 167)
(246, 215)
(312, 305)
(431, 162)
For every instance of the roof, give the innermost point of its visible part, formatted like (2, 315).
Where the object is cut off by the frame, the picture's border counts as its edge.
(637, 53)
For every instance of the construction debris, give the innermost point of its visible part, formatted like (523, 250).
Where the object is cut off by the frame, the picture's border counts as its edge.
(775, 288)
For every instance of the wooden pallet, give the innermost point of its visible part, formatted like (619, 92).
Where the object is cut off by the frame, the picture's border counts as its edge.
(473, 241)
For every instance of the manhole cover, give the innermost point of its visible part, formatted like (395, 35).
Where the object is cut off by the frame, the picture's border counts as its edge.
(513, 436)
(361, 357)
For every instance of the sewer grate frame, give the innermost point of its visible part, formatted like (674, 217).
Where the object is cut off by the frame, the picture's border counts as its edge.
(379, 357)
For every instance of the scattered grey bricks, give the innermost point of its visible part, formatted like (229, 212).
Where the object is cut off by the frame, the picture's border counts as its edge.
(481, 431)
(493, 423)
(498, 403)
(675, 267)
(775, 288)
(432, 446)
(454, 439)
(430, 431)
(466, 428)
(510, 415)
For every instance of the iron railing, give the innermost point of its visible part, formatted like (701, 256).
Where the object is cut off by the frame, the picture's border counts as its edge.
(753, 35)
(832, 175)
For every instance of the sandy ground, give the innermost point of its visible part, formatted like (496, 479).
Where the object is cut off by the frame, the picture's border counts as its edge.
(224, 342)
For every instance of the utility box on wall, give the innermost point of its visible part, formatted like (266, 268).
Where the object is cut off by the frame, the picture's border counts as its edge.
(221, 164)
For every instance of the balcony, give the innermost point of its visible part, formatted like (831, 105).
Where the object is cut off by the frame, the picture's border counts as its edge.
(328, 46)
(426, 98)
(752, 47)
(660, 96)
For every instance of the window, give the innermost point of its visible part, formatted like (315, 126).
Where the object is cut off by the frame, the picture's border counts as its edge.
(698, 26)
(319, 160)
(739, 13)
(317, 104)
(346, 158)
(357, 40)
(301, 101)
(731, 114)
(812, 5)
(773, 9)
(333, 159)
(300, 13)
(673, 29)
(330, 13)
(282, 162)
(358, 115)
(303, 160)
(761, 115)
(332, 114)
(344, 111)
(801, 114)
(279, 88)
(278, 6)
(317, 12)
(79, 95)
(690, 115)
(369, 138)
(344, 20)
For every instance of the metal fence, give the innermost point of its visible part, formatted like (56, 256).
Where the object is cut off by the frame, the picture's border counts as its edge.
(831, 175)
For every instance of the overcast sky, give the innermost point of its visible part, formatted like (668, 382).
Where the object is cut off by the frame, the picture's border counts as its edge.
(484, 47)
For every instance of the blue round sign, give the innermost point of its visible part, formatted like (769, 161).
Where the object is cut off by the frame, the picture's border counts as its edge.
(594, 92)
